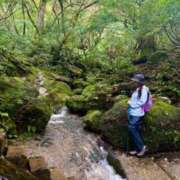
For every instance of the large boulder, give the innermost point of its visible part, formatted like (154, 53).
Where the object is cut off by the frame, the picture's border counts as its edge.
(161, 126)
(93, 96)
(33, 116)
(93, 120)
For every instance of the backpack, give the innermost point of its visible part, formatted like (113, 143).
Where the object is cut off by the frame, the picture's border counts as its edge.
(149, 103)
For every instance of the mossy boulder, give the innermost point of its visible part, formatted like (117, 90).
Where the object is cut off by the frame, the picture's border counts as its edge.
(12, 66)
(57, 87)
(97, 96)
(8, 125)
(114, 128)
(78, 104)
(161, 126)
(93, 120)
(76, 71)
(33, 115)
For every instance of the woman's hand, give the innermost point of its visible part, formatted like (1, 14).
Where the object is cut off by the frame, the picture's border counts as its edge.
(129, 101)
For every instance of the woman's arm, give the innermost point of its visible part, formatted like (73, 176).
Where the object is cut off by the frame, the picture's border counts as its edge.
(139, 102)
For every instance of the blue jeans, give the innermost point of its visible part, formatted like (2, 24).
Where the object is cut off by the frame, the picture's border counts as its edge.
(134, 127)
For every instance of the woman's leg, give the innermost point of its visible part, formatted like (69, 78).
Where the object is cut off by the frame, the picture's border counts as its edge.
(133, 127)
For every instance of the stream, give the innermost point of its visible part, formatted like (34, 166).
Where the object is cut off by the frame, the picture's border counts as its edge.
(67, 146)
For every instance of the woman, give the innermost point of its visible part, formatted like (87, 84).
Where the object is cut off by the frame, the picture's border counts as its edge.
(135, 114)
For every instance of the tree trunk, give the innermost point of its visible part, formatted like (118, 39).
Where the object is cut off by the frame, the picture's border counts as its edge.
(41, 15)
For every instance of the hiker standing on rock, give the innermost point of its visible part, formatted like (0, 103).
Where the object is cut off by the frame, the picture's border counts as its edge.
(139, 103)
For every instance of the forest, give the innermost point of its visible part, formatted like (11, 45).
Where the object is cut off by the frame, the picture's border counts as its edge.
(82, 54)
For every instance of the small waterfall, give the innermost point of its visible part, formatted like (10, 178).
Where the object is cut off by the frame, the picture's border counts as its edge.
(58, 118)
(102, 170)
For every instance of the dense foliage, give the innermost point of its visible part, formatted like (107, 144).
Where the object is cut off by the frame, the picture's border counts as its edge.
(86, 51)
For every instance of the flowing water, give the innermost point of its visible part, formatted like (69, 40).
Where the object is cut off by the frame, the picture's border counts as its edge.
(69, 147)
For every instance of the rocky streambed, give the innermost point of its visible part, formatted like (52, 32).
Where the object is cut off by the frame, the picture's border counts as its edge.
(67, 146)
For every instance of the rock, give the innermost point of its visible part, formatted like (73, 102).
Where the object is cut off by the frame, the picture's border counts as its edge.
(57, 87)
(96, 96)
(56, 174)
(8, 125)
(71, 178)
(43, 91)
(11, 172)
(37, 163)
(20, 161)
(93, 120)
(172, 167)
(15, 151)
(77, 103)
(161, 128)
(141, 169)
(3, 142)
(76, 71)
(62, 78)
(42, 174)
(114, 128)
(33, 116)
(165, 99)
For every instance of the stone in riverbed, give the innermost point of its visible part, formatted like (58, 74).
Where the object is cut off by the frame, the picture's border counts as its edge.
(16, 155)
(56, 174)
(37, 163)
(42, 174)
(14, 151)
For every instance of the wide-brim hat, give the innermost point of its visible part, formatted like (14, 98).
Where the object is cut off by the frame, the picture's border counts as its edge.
(138, 78)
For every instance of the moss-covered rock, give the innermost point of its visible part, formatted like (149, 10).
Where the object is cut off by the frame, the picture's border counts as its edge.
(57, 87)
(161, 127)
(8, 125)
(93, 120)
(12, 66)
(77, 103)
(35, 114)
(97, 96)
(79, 83)
(114, 128)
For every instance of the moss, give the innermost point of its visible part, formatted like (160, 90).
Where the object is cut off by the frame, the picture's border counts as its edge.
(79, 83)
(162, 127)
(78, 91)
(57, 87)
(8, 125)
(93, 120)
(77, 103)
(12, 66)
(74, 70)
(34, 114)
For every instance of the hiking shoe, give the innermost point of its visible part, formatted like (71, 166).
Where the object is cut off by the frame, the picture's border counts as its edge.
(142, 152)
(133, 152)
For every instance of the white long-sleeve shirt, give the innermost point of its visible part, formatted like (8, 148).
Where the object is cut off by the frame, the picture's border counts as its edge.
(136, 103)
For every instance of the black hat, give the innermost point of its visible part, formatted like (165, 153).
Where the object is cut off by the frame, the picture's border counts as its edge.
(138, 78)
